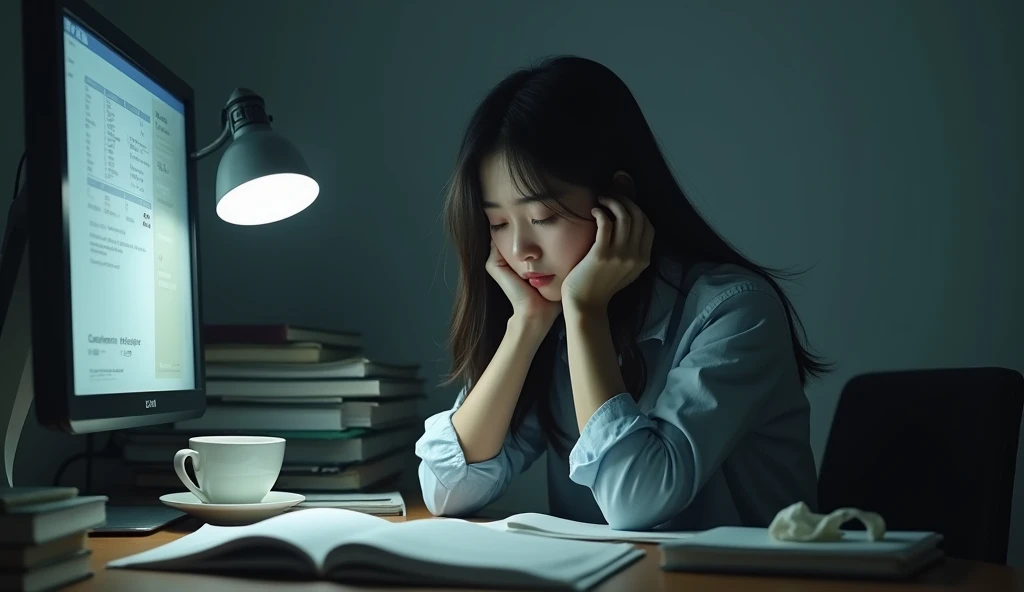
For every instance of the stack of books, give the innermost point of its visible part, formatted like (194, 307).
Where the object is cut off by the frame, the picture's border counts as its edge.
(350, 423)
(43, 534)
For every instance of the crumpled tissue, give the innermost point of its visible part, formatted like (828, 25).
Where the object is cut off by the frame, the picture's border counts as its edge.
(798, 523)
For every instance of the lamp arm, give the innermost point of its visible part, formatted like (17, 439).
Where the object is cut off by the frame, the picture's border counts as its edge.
(244, 108)
(224, 134)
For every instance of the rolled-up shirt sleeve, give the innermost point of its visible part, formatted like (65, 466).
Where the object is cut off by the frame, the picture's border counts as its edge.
(643, 469)
(453, 487)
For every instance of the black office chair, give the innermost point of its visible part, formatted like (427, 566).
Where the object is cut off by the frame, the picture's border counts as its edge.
(929, 450)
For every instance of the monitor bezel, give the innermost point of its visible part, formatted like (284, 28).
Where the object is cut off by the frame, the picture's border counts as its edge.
(57, 404)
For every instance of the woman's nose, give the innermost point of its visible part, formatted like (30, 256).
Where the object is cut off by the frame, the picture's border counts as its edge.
(524, 248)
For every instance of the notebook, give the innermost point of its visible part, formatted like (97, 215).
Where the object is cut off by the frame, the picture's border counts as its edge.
(33, 524)
(551, 526)
(350, 547)
(381, 504)
(314, 387)
(354, 367)
(752, 550)
(264, 416)
(254, 354)
(52, 575)
(22, 558)
(13, 497)
(281, 333)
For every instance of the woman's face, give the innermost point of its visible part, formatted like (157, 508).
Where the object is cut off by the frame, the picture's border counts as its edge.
(537, 244)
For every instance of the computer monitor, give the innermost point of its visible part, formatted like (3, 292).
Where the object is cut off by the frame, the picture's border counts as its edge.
(110, 302)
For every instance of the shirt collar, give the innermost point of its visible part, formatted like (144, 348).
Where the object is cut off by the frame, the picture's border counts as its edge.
(665, 297)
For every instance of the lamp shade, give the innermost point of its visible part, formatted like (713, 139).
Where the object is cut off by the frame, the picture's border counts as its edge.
(262, 178)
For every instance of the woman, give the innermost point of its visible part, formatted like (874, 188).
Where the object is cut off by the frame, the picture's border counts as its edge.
(599, 318)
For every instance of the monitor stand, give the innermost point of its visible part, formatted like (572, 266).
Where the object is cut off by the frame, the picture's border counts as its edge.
(16, 389)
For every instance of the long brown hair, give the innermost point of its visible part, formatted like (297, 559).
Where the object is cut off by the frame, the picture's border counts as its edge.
(571, 119)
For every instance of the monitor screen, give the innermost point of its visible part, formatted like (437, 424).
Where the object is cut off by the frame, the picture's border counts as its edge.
(127, 216)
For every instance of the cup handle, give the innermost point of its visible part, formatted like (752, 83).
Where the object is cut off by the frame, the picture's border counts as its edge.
(179, 468)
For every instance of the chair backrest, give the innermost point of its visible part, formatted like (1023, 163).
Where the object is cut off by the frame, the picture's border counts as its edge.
(929, 450)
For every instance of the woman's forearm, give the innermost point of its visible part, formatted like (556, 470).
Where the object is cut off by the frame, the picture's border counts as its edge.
(593, 365)
(483, 419)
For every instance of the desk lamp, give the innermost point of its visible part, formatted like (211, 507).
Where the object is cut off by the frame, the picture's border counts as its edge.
(262, 177)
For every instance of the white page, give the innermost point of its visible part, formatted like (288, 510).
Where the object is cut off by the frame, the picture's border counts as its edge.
(551, 526)
(453, 544)
(315, 530)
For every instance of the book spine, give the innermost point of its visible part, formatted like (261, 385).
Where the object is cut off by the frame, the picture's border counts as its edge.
(268, 335)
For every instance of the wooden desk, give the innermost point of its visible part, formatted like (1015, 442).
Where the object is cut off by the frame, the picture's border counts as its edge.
(644, 575)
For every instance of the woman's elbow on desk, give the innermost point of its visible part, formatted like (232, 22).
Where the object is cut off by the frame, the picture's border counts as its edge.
(441, 501)
(621, 517)
(639, 491)
(638, 510)
(435, 495)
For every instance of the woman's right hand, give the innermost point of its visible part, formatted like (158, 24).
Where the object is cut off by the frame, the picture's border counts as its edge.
(527, 302)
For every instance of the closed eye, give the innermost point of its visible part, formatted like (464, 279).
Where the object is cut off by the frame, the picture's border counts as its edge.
(544, 221)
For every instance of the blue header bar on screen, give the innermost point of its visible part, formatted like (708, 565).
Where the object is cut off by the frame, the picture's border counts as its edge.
(79, 33)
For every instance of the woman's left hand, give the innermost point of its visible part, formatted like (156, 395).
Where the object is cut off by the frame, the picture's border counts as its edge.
(621, 250)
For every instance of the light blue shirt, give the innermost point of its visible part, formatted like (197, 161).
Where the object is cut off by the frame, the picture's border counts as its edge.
(720, 436)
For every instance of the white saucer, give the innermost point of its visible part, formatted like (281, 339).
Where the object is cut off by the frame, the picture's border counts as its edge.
(273, 504)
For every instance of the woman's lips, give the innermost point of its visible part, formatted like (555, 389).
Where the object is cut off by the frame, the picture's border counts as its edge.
(537, 280)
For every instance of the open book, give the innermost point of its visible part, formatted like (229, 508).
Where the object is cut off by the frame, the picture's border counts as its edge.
(551, 526)
(351, 547)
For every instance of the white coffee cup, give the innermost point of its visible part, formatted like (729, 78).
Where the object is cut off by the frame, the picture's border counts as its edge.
(231, 469)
